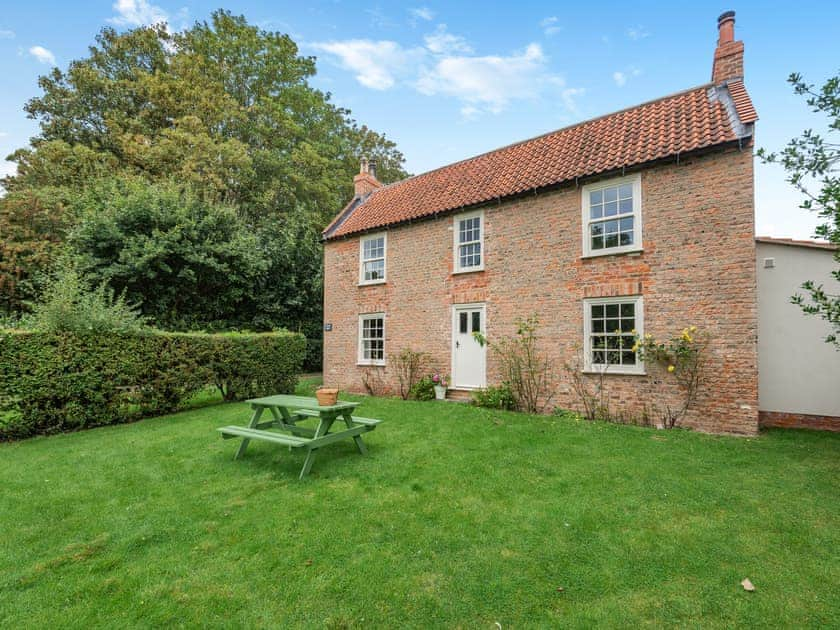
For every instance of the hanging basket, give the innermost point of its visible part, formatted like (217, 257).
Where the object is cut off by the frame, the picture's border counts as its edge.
(326, 396)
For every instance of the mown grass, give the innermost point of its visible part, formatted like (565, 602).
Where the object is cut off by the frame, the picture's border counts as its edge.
(458, 517)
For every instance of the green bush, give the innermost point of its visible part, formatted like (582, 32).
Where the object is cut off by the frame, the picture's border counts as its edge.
(424, 389)
(53, 382)
(314, 361)
(70, 305)
(495, 397)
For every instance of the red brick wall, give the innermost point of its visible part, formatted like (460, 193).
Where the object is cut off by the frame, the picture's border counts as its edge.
(787, 420)
(698, 267)
(729, 62)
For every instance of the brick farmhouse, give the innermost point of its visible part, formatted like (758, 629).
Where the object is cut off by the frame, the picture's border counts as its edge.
(638, 220)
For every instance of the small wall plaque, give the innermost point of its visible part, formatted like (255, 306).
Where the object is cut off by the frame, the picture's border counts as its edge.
(328, 327)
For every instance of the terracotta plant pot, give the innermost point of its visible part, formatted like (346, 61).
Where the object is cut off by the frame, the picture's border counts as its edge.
(326, 396)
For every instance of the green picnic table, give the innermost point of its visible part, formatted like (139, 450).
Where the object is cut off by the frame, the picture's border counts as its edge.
(286, 412)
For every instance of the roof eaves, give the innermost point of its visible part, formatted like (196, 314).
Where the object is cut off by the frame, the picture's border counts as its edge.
(797, 242)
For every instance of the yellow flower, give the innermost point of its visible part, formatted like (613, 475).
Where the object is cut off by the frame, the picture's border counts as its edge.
(633, 332)
(671, 368)
(648, 336)
(693, 329)
(635, 347)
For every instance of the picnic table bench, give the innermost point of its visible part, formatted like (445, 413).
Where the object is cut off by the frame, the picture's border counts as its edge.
(286, 412)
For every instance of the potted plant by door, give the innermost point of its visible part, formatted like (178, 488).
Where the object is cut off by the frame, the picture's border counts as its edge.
(440, 386)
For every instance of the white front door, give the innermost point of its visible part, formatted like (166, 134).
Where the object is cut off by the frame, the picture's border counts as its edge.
(468, 356)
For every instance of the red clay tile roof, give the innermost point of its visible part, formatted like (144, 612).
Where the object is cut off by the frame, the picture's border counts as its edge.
(743, 104)
(689, 121)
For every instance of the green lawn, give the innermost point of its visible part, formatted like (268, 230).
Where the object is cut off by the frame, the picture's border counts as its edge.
(458, 517)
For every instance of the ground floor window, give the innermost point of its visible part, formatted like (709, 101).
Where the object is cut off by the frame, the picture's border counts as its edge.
(372, 339)
(610, 325)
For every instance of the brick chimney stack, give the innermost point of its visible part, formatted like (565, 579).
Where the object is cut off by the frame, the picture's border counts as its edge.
(365, 182)
(729, 54)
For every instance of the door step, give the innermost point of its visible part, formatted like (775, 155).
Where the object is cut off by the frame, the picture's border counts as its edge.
(459, 395)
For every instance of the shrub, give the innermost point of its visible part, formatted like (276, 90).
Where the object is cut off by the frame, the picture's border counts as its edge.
(424, 389)
(590, 390)
(314, 360)
(684, 357)
(373, 380)
(70, 305)
(495, 397)
(61, 381)
(409, 365)
(525, 369)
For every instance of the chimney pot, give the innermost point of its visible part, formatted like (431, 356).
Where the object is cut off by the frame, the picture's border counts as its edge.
(365, 182)
(726, 27)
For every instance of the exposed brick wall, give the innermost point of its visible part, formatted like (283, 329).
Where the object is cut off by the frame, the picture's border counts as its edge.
(729, 62)
(698, 267)
(787, 420)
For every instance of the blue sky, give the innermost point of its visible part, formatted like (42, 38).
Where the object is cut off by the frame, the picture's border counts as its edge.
(448, 80)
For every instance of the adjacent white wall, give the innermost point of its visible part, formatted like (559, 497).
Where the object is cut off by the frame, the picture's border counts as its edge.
(798, 372)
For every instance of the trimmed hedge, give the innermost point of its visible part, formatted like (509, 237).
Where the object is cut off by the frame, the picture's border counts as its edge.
(53, 382)
(314, 361)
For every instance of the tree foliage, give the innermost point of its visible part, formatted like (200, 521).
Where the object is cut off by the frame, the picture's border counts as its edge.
(190, 263)
(225, 110)
(813, 160)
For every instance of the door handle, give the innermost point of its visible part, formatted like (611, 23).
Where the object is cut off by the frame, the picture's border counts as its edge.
(457, 344)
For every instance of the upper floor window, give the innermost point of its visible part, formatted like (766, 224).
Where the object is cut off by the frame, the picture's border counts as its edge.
(469, 242)
(610, 326)
(612, 217)
(372, 259)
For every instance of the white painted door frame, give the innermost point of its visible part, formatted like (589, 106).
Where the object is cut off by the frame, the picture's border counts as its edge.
(477, 377)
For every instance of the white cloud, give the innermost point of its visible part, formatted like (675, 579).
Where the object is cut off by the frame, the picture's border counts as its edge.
(442, 42)
(621, 78)
(137, 13)
(447, 66)
(488, 83)
(569, 95)
(637, 32)
(377, 64)
(6, 33)
(550, 25)
(422, 13)
(470, 112)
(43, 55)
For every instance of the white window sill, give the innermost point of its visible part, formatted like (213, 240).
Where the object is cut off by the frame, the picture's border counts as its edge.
(613, 372)
(372, 283)
(613, 252)
(370, 363)
(468, 270)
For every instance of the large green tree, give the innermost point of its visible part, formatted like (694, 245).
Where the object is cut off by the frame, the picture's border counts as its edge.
(812, 162)
(188, 262)
(224, 110)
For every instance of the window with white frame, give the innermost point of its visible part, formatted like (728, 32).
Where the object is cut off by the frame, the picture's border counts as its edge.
(610, 326)
(372, 259)
(612, 217)
(469, 242)
(372, 339)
